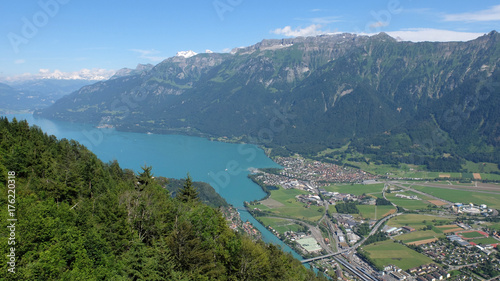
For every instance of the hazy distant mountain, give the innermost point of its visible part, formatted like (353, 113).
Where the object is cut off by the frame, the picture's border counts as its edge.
(307, 94)
(29, 95)
(95, 74)
(141, 68)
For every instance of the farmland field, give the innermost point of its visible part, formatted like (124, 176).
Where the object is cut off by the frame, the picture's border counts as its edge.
(421, 242)
(449, 228)
(416, 221)
(388, 252)
(418, 235)
(496, 226)
(368, 211)
(284, 204)
(462, 196)
(409, 203)
(280, 225)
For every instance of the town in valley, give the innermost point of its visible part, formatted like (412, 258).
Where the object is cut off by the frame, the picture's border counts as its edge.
(356, 225)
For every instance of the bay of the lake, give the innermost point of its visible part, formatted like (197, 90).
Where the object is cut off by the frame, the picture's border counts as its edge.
(225, 166)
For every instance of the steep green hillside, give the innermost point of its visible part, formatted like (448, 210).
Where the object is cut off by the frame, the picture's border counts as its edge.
(308, 94)
(77, 218)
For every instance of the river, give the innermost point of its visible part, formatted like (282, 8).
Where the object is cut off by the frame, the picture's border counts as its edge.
(225, 166)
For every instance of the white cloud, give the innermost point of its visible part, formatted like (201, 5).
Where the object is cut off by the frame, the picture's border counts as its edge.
(19, 61)
(433, 35)
(312, 30)
(149, 55)
(491, 14)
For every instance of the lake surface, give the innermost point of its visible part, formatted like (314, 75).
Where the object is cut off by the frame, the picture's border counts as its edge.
(225, 166)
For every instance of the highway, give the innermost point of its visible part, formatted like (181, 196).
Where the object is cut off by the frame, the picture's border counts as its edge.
(353, 248)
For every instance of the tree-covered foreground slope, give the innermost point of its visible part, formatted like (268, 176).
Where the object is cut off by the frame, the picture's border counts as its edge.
(81, 219)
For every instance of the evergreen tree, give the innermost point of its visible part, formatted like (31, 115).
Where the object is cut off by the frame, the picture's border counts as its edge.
(146, 177)
(188, 193)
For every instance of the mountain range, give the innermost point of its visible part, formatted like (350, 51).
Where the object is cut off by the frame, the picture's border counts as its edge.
(28, 95)
(395, 101)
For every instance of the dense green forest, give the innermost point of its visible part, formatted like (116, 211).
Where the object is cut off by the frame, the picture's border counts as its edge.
(347, 208)
(81, 219)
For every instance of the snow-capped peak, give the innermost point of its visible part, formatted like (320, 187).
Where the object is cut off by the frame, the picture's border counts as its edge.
(208, 51)
(186, 54)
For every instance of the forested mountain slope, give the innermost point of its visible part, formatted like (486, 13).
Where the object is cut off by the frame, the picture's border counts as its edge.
(80, 219)
(307, 94)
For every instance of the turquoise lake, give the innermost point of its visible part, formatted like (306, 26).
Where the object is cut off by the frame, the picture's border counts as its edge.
(225, 166)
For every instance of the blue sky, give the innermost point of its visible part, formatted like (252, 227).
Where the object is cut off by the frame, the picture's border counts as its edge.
(70, 35)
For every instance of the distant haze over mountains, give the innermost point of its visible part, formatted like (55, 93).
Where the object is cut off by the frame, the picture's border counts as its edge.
(306, 94)
(84, 74)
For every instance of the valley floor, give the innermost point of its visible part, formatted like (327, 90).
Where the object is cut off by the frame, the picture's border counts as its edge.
(305, 208)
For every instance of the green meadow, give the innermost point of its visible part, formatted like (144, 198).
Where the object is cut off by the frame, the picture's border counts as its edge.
(419, 235)
(409, 203)
(417, 221)
(280, 225)
(462, 196)
(368, 211)
(286, 205)
(389, 252)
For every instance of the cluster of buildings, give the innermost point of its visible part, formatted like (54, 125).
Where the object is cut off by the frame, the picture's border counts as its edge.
(334, 197)
(305, 242)
(250, 229)
(309, 199)
(349, 237)
(459, 240)
(445, 252)
(471, 209)
(283, 181)
(292, 235)
(428, 272)
(319, 172)
(390, 230)
(234, 221)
